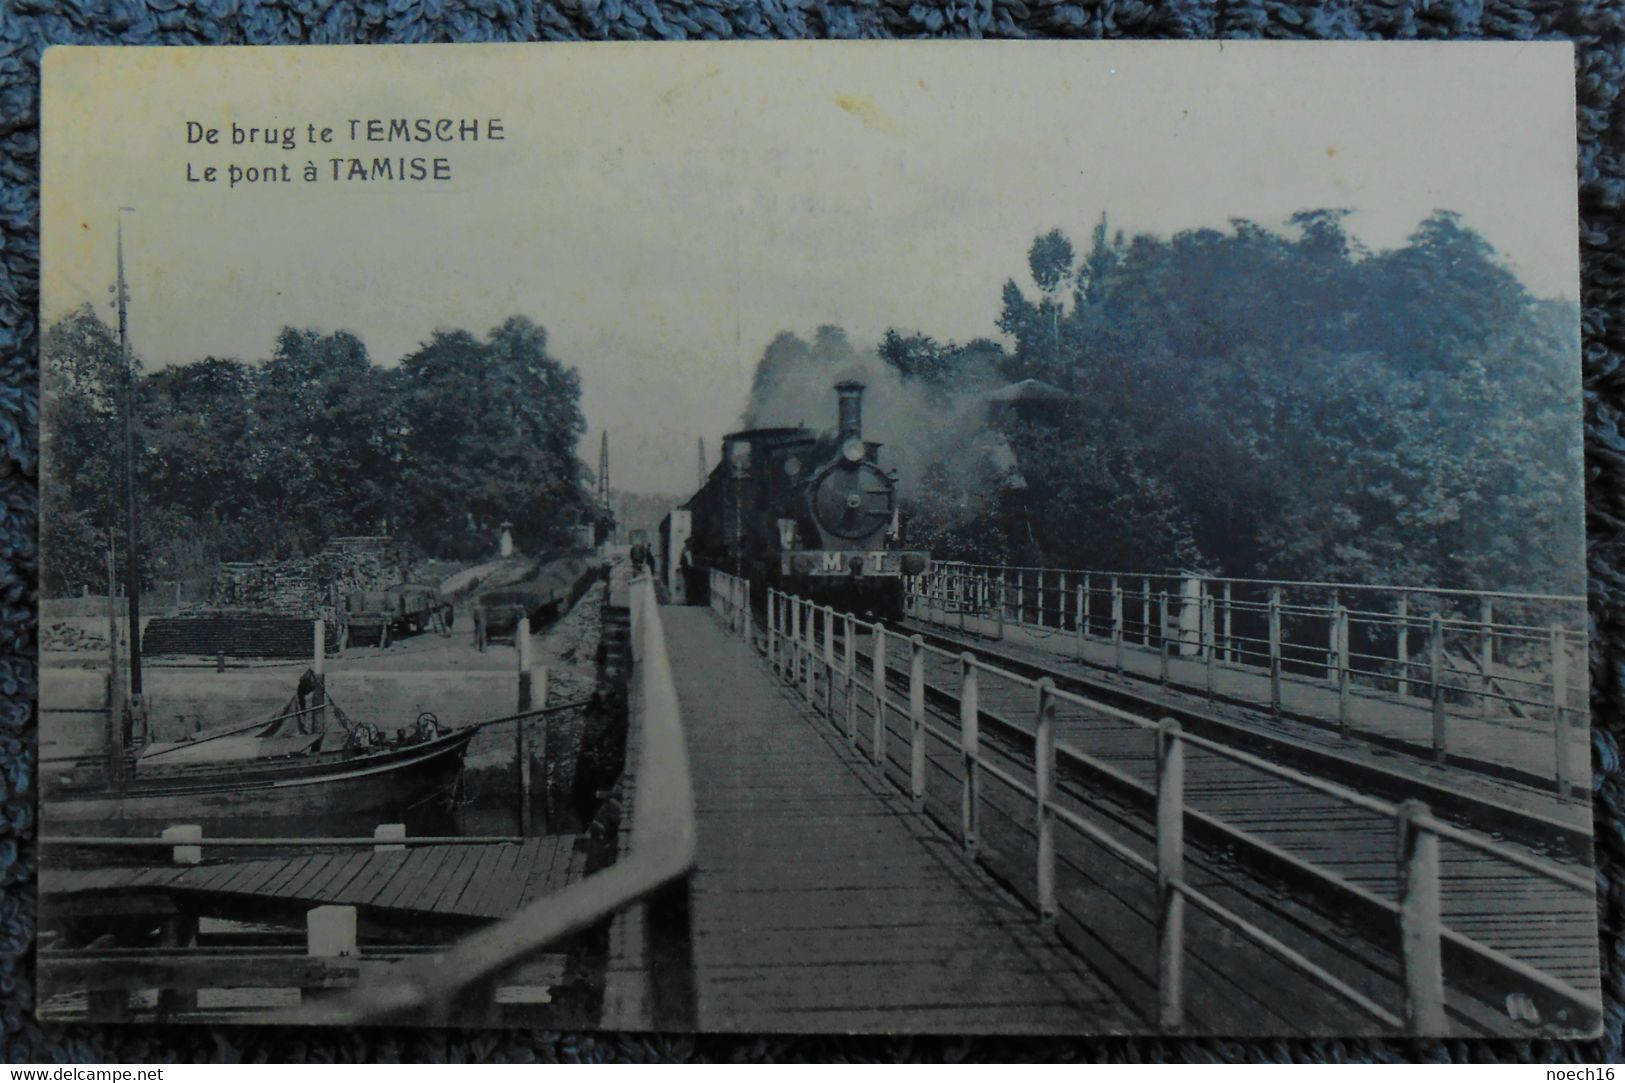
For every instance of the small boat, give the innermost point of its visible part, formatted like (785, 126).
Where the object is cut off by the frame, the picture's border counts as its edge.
(293, 765)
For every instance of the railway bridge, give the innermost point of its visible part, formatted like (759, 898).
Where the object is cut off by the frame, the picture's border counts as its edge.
(1069, 802)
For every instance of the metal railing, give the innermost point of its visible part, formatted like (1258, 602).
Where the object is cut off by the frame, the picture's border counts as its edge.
(1504, 658)
(448, 987)
(804, 642)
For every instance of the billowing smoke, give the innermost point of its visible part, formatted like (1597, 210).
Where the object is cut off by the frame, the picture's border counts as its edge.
(950, 462)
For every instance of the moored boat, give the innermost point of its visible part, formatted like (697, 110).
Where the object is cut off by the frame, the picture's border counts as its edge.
(292, 765)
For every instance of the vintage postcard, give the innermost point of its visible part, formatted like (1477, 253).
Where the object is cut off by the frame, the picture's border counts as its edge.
(1019, 538)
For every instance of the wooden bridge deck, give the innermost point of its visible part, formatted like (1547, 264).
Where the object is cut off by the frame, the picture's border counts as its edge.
(822, 902)
(484, 881)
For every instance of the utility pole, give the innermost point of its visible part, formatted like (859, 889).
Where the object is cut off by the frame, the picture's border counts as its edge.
(702, 463)
(132, 564)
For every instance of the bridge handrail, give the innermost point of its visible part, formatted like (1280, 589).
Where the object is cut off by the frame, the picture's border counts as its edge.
(1420, 652)
(1329, 584)
(662, 851)
(794, 647)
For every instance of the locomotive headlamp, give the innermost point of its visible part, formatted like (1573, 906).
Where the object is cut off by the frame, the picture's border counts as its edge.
(852, 450)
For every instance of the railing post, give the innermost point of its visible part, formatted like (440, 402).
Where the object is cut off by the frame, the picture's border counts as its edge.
(744, 613)
(1078, 616)
(1560, 703)
(916, 720)
(189, 838)
(809, 675)
(319, 668)
(879, 686)
(1044, 789)
(1002, 600)
(829, 662)
(794, 605)
(1332, 652)
(1441, 738)
(1162, 635)
(1402, 646)
(1145, 611)
(1229, 637)
(1486, 656)
(1343, 671)
(1021, 596)
(850, 671)
(1170, 875)
(1210, 649)
(773, 628)
(1275, 649)
(1419, 923)
(1117, 625)
(970, 716)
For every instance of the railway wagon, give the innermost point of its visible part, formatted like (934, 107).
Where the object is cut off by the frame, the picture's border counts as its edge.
(552, 590)
(378, 616)
(809, 512)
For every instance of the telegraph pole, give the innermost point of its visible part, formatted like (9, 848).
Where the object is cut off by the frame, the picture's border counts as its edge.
(132, 564)
(702, 463)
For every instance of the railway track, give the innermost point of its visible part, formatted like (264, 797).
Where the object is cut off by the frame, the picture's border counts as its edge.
(1318, 872)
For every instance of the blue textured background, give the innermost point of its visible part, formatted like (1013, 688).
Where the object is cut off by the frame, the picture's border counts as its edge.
(27, 26)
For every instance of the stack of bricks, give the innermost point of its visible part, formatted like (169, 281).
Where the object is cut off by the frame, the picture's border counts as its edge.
(310, 586)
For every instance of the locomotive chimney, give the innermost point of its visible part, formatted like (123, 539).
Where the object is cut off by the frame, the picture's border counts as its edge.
(851, 415)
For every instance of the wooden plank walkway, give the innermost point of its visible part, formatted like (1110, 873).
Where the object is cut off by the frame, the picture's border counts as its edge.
(823, 902)
(463, 881)
(1518, 747)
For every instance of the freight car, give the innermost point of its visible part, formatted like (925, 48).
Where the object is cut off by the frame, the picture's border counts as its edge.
(547, 594)
(813, 513)
(377, 616)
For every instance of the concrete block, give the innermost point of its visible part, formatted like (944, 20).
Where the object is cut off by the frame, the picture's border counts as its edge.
(185, 855)
(330, 931)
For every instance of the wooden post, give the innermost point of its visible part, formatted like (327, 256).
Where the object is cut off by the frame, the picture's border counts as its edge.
(1402, 646)
(829, 662)
(773, 629)
(1441, 738)
(1145, 611)
(809, 628)
(745, 615)
(1021, 596)
(1229, 637)
(1162, 636)
(1486, 654)
(1343, 671)
(970, 717)
(1275, 649)
(1419, 924)
(1117, 625)
(219, 661)
(1210, 649)
(1044, 789)
(1002, 600)
(318, 667)
(1332, 650)
(1560, 703)
(916, 720)
(1080, 615)
(1170, 875)
(390, 838)
(794, 605)
(850, 673)
(878, 749)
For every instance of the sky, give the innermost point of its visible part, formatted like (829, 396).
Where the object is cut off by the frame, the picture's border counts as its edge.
(665, 210)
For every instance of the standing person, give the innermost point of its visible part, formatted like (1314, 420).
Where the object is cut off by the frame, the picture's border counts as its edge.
(693, 577)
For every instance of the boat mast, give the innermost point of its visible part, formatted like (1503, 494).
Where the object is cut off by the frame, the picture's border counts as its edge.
(115, 695)
(132, 566)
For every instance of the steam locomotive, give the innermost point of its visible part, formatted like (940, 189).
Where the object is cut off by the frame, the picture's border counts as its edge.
(808, 512)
